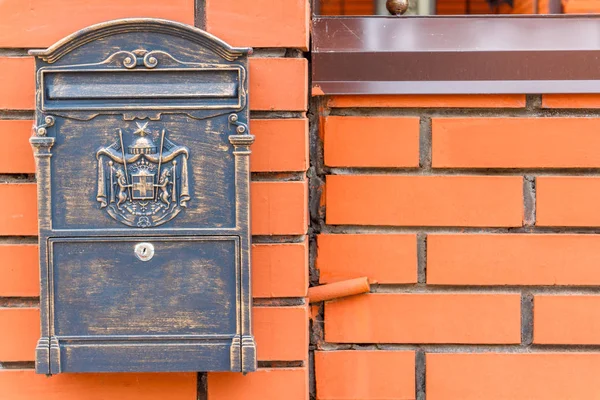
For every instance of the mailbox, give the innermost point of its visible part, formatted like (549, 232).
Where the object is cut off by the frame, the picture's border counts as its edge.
(142, 152)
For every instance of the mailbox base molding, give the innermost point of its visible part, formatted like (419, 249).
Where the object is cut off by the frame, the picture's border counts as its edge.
(248, 353)
(149, 354)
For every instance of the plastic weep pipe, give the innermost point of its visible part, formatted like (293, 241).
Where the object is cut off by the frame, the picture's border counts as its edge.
(338, 289)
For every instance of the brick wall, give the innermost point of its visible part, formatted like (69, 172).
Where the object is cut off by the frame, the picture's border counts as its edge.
(473, 216)
(476, 218)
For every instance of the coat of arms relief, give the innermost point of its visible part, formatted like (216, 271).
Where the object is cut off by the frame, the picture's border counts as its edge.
(145, 183)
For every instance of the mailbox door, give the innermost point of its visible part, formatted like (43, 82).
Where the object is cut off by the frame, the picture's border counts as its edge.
(104, 293)
(102, 287)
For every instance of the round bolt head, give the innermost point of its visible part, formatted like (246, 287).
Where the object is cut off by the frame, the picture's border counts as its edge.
(396, 7)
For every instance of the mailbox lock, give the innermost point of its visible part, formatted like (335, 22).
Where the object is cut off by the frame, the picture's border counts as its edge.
(144, 251)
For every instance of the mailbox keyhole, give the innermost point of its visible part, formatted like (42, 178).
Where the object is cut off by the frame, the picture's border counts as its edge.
(144, 251)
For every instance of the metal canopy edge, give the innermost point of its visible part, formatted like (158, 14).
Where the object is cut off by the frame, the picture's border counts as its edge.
(455, 55)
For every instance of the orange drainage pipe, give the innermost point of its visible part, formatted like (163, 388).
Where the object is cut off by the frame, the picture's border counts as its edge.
(338, 289)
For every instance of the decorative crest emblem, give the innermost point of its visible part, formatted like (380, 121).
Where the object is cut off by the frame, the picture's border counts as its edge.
(143, 185)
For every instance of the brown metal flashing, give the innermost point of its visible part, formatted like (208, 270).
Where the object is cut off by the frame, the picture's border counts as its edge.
(456, 55)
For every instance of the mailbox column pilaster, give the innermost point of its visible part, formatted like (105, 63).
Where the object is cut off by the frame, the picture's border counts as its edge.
(242, 152)
(42, 146)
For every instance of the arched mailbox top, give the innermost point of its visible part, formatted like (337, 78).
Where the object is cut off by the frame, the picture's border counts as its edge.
(139, 67)
(147, 25)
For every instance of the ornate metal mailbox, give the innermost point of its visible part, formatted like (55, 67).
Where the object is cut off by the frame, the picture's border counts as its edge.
(142, 153)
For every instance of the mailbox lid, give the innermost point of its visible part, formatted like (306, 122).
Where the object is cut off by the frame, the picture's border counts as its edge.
(101, 287)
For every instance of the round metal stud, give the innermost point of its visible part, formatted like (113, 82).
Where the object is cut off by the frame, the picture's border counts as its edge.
(396, 7)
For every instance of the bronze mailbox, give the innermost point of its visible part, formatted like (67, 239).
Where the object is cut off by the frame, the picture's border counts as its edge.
(142, 151)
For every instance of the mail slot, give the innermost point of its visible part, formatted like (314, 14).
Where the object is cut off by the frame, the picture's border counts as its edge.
(142, 153)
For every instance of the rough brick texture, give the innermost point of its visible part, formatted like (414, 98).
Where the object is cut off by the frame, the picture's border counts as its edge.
(502, 197)
(496, 376)
(424, 318)
(515, 142)
(279, 270)
(281, 332)
(19, 270)
(19, 333)
(264, 23)
(366, 375)
(571, 101)
(40, 23)
(16, 156)
(281, 145)
(424, 200)
(279, 208)
(265, 384)
(509, 259)
(392, 142)
(278, 84)
(568, 201)
(566, 319)
(381, 258)
(17, 82)
(18, 209)
(26, 385)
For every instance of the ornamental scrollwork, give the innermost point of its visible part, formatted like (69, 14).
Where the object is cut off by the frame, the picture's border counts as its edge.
(42, 130)
(241, 128)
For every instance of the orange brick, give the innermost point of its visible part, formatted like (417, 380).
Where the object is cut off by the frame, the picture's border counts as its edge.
(515, 142)
(16, 155)
(566, 319)
(27, 385)
(18, 209)
(567, 201)
(424, 200)
(264, 24)
(281, 145)
(571, 101)
(580, 7)
(17, 81)
(19, 333)
(440, 101)
(381, 258)
(278, 84)
(494, 376)
(19, 270)
(264, 384)
(279, 208)
(365, 375)
(279, 270)
(21, 22)
(281, 333)
(371, 141)
(424, 318)
(513, 259)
